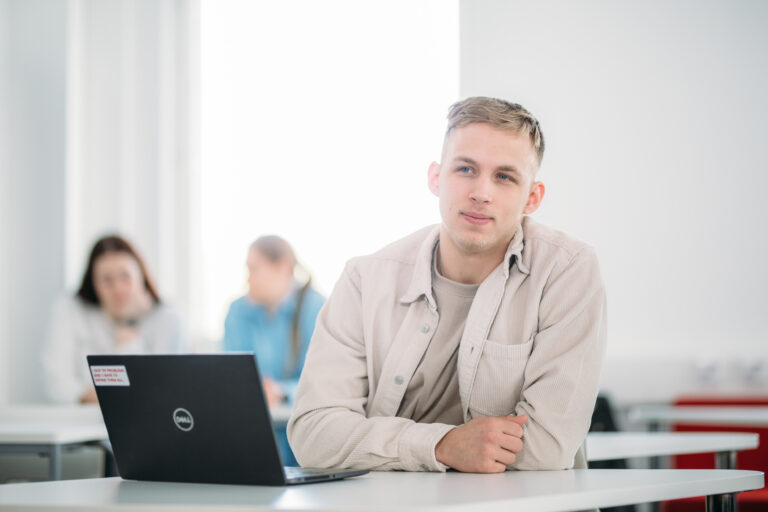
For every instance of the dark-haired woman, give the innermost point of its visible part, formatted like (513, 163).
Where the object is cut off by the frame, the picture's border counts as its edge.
(275, 320)
(117, 310)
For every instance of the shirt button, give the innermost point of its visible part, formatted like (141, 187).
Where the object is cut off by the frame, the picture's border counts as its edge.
(398, 380)
(425, 328)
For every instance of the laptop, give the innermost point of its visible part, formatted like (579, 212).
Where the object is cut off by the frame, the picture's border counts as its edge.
(193, 418)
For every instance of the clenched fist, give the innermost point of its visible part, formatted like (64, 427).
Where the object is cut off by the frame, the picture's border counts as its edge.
(482, 445)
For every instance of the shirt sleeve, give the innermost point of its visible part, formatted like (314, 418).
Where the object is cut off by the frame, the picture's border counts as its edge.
(563, 372)
(64, 383)
(329, 427)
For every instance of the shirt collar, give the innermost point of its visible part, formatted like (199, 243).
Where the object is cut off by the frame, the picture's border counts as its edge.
(421, 282)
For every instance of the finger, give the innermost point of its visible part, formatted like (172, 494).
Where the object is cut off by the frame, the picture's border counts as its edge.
(520, 420)
(511, 443)
(511, 428)
(491, 466)
(505, 457)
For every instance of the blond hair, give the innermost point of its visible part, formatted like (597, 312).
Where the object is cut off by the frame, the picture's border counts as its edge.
(500, 114)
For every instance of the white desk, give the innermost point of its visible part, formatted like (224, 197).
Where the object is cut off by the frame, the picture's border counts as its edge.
(62, 413)
(627, 445)
(48, 430)
(532, 491)
(752, 416)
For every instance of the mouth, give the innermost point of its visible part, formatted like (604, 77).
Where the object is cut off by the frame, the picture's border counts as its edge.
(477, 219)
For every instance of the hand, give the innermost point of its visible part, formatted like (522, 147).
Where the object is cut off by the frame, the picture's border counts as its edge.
(483, 445)
(273, 392)
(89, 397)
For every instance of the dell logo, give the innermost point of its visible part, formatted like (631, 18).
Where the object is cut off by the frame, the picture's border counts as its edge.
(183, 419)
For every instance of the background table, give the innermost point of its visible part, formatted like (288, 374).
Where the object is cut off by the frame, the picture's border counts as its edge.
(49, 430)
(654, 415)
(627, 445)
(532, 491)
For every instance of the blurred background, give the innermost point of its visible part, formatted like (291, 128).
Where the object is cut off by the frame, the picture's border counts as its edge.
(193, 127)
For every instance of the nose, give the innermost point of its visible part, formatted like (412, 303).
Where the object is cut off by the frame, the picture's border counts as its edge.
(481, 192)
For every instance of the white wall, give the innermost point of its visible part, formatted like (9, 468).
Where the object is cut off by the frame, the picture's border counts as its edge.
(33, 138)
(4, 213)
(318, 129)
(98, 134)
(655, 114)
(132, 165)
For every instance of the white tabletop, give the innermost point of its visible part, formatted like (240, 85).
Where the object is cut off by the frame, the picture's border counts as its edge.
(753, 416)
(50, 433)
(626, 445)
(51, 424)
(534, 491)
(59, 413)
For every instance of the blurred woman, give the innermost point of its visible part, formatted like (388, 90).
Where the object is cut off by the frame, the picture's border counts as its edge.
(275, 320)
(116, 311)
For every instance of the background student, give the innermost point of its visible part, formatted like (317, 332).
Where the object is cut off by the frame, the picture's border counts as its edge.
(116, 310)
(275, 320)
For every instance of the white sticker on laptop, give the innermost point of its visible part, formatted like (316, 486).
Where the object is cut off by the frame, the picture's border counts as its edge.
(113, 375)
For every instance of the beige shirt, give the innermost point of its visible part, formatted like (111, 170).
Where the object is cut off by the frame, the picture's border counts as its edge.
(432, 395)
(533, 343)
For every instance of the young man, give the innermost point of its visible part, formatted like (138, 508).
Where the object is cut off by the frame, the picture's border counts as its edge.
(474, 345)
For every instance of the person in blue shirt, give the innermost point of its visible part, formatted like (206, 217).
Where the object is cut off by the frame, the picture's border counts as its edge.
(275, 320)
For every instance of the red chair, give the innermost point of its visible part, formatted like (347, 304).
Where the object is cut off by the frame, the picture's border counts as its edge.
(757, 460)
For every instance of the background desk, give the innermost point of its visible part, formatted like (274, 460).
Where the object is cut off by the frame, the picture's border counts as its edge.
(654, 415)
(627, 445)
(532, 491)
(49, 430)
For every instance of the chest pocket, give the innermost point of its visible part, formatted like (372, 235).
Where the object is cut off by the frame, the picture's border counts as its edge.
(499, 378)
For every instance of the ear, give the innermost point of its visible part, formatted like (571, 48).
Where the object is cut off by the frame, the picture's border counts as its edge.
(534, 197)
(433, 178)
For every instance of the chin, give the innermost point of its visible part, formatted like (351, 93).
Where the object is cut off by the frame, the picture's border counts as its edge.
(472, 244)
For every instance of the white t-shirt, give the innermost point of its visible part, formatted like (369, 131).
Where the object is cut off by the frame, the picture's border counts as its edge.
(78, 329)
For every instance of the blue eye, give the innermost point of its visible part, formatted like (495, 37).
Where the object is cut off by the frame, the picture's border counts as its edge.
(505, 177)
(464, 170)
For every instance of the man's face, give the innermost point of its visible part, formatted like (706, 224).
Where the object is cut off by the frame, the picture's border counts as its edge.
(485, 183)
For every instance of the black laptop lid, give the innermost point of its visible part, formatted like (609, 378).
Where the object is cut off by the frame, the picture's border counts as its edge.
(188, 418)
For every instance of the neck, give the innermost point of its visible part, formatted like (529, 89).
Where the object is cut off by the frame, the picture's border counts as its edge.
(466, 267)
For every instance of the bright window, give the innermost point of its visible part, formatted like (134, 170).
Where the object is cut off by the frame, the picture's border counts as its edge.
(319, 120)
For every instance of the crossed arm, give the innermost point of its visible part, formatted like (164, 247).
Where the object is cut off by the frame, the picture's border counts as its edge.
(330, 425)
